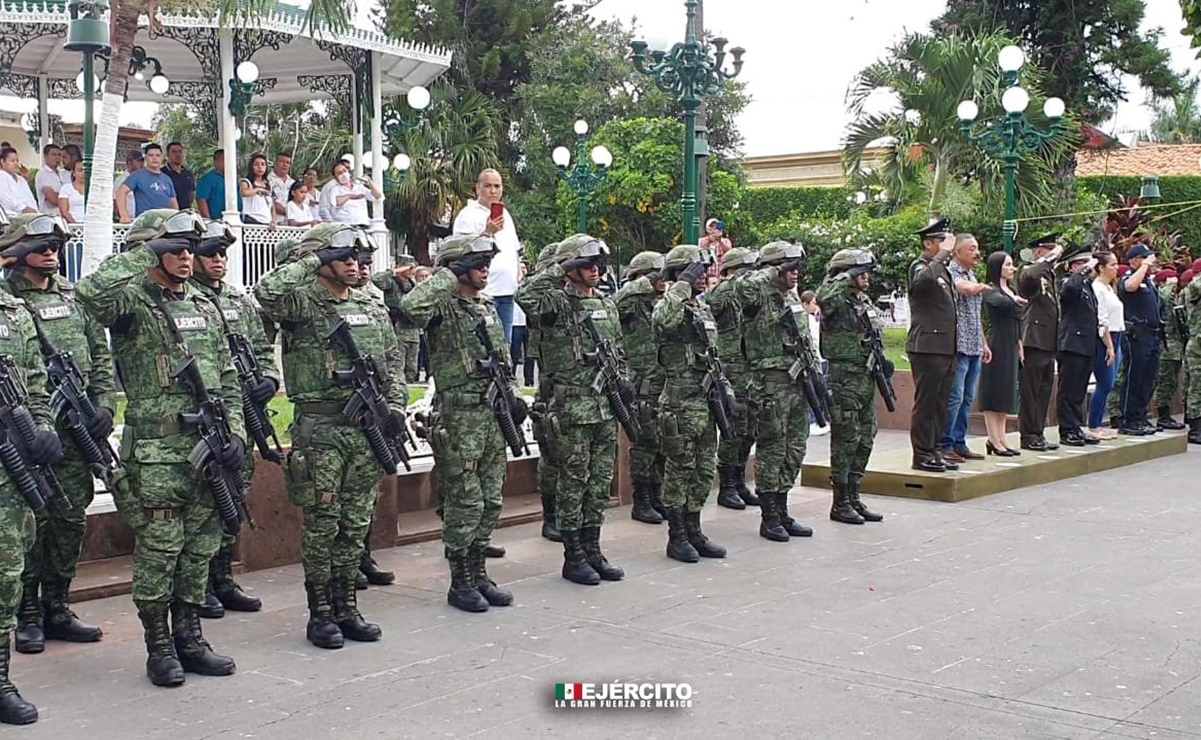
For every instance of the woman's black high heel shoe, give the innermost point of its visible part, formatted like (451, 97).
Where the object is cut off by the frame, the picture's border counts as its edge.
(1004, 452)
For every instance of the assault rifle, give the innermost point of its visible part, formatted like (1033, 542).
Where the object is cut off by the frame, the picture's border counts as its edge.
(806, 368)
(878, 364)
(212, 421)
(368, 407)
(500, 392)
(608, 375)
(715, 385)
(258, 422)
(71, 406)
(37, 483)
(1180, 314)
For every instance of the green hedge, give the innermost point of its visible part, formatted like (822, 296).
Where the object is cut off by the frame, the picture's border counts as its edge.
(1173, 190)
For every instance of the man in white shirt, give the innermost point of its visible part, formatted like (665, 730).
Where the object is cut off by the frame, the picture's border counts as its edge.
(50, 180)
(279, 179)
(476, 218)
(15, 195)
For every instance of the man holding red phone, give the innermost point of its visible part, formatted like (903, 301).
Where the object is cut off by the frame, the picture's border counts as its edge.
(486, 214)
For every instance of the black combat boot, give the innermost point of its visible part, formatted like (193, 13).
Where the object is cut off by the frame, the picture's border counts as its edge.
(727, 492)
(705, 547)
(494, 551)
(483, 583)
(60, 623)
(749, 497)
(590, 539)
(30, 638)
(678, 546)
(374, 574)
(212, 608)
(13, 709)
(346, 612)
(1194, 430)
(463, 593)
(549, 530)
(1166, 421)
(657, 498)
(769, 527)
(195, 653)
(575, 566)
(792, 526)
(841, 509)
(360, 581)
(642, 511)
(853, 481)
(225, 588)
(162, 663)
(321, 629)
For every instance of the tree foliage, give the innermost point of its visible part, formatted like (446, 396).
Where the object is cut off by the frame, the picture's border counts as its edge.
(1177, 120)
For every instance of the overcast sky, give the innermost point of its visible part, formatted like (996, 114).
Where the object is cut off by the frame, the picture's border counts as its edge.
(800, 58)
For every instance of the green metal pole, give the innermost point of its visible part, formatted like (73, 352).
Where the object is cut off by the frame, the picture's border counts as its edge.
(583, 213)
(89, 130)
(1009, 228)
(692, 219)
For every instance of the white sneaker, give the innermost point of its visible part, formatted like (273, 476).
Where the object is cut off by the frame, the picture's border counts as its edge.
(816, 431)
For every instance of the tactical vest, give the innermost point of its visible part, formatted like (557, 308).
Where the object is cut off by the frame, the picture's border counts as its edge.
(308, 359)
(763, 336)
(58, 317)
(681, 353)
(455, 351)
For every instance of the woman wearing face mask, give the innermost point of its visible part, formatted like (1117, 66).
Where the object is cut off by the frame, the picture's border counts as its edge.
(348, 197)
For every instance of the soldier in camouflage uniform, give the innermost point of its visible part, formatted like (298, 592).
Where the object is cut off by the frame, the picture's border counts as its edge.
(684, 328)
(240, 315)
(332, 474)
(732, 454)
(635, 301)
(1190, 296)
(157, 320)
(31, 245)
(1171, 360)
(548, 471)
(469, 448)
(580, 427)
(777, 404)
(396, 284)
(284, 252)
(847, 315)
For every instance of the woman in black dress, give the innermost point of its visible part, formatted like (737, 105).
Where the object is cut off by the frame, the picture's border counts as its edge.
(999, 378)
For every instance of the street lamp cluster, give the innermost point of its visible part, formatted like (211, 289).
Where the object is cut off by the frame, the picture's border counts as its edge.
(586, 176)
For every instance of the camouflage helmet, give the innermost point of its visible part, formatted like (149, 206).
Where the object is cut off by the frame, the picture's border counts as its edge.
(285, 251)
(343, 237)
(685, 254)
(28, 232)
(645, 263)
(777, 253)
(460, 246)
(857, 261)
(406, 260)
(739, 257)
(160, 222)
(579, 246)
(546, 257)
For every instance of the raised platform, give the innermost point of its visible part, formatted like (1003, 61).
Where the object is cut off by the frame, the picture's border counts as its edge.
(890, 474)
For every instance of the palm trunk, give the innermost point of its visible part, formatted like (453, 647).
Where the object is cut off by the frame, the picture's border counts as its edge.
(938, 186)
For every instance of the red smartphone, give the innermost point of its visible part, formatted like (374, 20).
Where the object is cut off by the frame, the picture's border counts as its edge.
(498, 210)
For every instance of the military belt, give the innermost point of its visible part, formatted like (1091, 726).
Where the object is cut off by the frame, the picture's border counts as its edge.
(162, 515)
(459, 399)
(647, 388)
(166, 425)
(321, 408)
(573, 391)
(674, 393)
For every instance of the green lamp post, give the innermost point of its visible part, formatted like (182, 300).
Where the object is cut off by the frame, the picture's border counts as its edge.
(87, 32)
(690, 73)
(586, 176)
(1010, 136)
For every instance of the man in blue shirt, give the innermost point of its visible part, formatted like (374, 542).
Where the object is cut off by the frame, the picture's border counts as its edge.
(210, 190)
(151, 187)
(1142, 341)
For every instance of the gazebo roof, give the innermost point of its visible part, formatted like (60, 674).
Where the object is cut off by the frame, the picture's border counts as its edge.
(301, 65)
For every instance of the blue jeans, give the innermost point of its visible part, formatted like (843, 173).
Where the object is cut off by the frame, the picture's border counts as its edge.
(963, 395)
(504, 309)
(1106, 376)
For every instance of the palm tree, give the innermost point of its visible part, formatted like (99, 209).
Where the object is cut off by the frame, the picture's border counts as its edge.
(1178, 120)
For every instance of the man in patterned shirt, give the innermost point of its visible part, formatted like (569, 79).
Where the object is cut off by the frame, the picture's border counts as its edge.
(970, 351)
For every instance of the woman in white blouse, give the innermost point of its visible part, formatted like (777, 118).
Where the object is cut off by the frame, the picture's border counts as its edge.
(300, 211)
(15, 194)
(256, 193)
(348, 197)
(70, 198)
(1111, 323)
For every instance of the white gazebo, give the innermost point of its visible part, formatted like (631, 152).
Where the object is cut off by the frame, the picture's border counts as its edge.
(206, 65)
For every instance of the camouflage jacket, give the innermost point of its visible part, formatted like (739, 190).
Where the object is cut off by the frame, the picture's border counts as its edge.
(394, 290)
(70, 328)
(723, 301)
(242, 316)
(1191, 297)
(843, 337)
(679, 320)
(764, 338)
(122, 297)
(449, 318)
(19, 341)
(1169, 299)
(305, 311)
(635, 302)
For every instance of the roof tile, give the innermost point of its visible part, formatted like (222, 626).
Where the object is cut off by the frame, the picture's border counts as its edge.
(1145, 159)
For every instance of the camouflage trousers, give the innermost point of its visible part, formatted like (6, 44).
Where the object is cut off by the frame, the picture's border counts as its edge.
(781, 417)
(16, 537)
(1192, 379)
(736, 451)
(410, 351)
(334, 479)
(585, 456)
(173, 517)
(689, 437)
(1167, 382)
(56, 548)
(852, 420)
(470, 457)
(1114, 407)
(647, 460)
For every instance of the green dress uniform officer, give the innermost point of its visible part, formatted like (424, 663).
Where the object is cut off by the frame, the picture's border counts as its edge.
(580, 426)
(31, 245)
(847, 320)
(732, 454)
(239, 315)
(332, 474)
(1171, 360)
(157, 321)
(1040, 340)
(684, 330)
(931, 345)
(19, 344)
(778, 406)
(635, 301)
(548, 468)
(469, 447)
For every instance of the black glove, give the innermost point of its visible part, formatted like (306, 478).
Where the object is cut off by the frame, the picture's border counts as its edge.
(693, 272)
(791, 266)
(579, 263)
(234, 454)
(45, 448)
(102, 423)
(889, 368)
(627, 391)
(396, 423)
(263, 392)
(519, 410)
